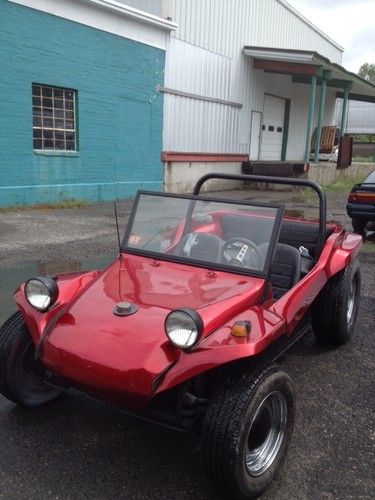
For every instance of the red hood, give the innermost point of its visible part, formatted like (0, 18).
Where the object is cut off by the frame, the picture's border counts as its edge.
(92, 346)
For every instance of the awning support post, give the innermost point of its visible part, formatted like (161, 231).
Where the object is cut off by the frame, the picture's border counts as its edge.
(322, 100)
(310, 117)
(347, 88)
(343, 113)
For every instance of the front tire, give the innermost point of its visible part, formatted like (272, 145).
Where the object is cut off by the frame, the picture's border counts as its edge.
(246, 432)
(334, 311)
(21, 377)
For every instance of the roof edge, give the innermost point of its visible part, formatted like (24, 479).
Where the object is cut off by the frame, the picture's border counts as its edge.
(134, 13)
(304, 19)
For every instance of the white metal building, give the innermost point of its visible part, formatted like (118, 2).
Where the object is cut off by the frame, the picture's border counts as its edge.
(245, 79)
(360, 117)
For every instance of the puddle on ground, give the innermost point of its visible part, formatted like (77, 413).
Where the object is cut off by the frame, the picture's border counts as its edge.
(11, 278)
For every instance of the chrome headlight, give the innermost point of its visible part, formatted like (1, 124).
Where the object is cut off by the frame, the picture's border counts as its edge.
(183, 327)
(41, 292)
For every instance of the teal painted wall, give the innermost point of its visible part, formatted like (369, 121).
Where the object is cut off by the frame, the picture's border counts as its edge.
(119, 111)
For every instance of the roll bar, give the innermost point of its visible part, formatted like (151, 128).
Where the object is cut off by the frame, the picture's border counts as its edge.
(277, 180)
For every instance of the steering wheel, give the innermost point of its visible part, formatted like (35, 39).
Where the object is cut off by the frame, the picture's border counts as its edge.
(241, 252)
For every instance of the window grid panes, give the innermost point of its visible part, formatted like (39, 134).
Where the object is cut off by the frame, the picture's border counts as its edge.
(54, 121)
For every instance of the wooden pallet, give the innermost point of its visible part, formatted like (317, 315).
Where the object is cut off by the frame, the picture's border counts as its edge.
(328, 140)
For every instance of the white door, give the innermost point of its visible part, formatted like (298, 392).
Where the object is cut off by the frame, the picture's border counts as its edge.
(272, 128)
(256, 118)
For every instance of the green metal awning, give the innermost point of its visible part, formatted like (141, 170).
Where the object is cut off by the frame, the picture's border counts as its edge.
(302, 64)
(311, 68)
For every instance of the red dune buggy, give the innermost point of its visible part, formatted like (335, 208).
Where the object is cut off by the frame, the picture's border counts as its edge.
(184, 327)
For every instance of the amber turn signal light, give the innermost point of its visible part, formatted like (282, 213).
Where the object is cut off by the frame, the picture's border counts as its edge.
(241, 328)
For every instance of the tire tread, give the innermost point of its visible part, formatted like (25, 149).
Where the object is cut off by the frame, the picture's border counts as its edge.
(328, 308)
(226, 412)
(12, 324)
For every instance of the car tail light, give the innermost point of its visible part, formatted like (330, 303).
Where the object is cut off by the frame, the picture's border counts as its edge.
(361, 197)
(364, 197)
(352, 197)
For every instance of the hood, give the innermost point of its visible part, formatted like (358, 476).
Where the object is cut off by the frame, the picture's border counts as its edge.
(119, 351)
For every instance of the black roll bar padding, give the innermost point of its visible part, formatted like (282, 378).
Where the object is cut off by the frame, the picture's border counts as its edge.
(278, 180)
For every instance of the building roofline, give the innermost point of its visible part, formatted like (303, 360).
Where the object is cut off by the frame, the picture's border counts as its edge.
(139, 15)
(109, 16)
(300, 16)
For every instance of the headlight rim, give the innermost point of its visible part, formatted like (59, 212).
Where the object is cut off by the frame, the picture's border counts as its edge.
(197, 319)
(51, 287)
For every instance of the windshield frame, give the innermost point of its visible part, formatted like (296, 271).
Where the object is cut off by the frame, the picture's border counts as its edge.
(265, 274)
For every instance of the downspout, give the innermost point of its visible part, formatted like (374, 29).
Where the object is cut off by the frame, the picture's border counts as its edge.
(322, 100)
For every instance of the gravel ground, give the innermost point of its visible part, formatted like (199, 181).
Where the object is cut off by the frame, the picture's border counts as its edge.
(78, 447)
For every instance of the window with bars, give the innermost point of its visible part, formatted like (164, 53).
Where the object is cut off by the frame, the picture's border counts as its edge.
(54, 118)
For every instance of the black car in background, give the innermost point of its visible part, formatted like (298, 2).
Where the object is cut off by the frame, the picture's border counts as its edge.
(361, 203)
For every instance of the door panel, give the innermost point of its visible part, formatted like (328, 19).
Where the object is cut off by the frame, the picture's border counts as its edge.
(272, 128)
(256, 119)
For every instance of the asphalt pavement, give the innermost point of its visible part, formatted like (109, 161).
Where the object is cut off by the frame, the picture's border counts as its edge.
(78, 447)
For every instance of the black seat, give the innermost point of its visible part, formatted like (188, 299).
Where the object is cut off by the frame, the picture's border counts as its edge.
(296, 233)
(285, 269)
(201, 246)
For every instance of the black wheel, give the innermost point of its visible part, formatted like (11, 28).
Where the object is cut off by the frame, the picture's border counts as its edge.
(335, 310)
(359, 225)
(21, 377)
(247, 430)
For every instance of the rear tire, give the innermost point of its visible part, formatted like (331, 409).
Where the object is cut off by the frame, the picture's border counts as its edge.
(359, 225)
(335, 310)
(21, 377)
(246, 432)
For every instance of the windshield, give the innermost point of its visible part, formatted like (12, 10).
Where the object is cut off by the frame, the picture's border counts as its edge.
(203, 231)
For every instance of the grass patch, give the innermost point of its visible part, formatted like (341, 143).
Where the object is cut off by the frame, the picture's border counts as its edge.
(363, 159)
(340, 185)
(72, 203)
(343, 184)
(368, 247)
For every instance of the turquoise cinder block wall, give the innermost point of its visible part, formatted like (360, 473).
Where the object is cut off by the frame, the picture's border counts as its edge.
(119, 111)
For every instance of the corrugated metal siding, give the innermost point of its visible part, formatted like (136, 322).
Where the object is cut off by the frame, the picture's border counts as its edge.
(192, 124)
(205, 57)
(198, 126)
(360, 118)
(225, 26)
(191, 69)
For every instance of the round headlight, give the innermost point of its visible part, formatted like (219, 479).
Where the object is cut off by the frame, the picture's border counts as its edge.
(41, 292)
(183, 327)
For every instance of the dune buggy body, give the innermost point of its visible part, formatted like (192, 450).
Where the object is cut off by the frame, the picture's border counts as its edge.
(230, 262)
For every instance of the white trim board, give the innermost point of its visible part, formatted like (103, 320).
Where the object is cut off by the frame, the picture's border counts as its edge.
(110, 16)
